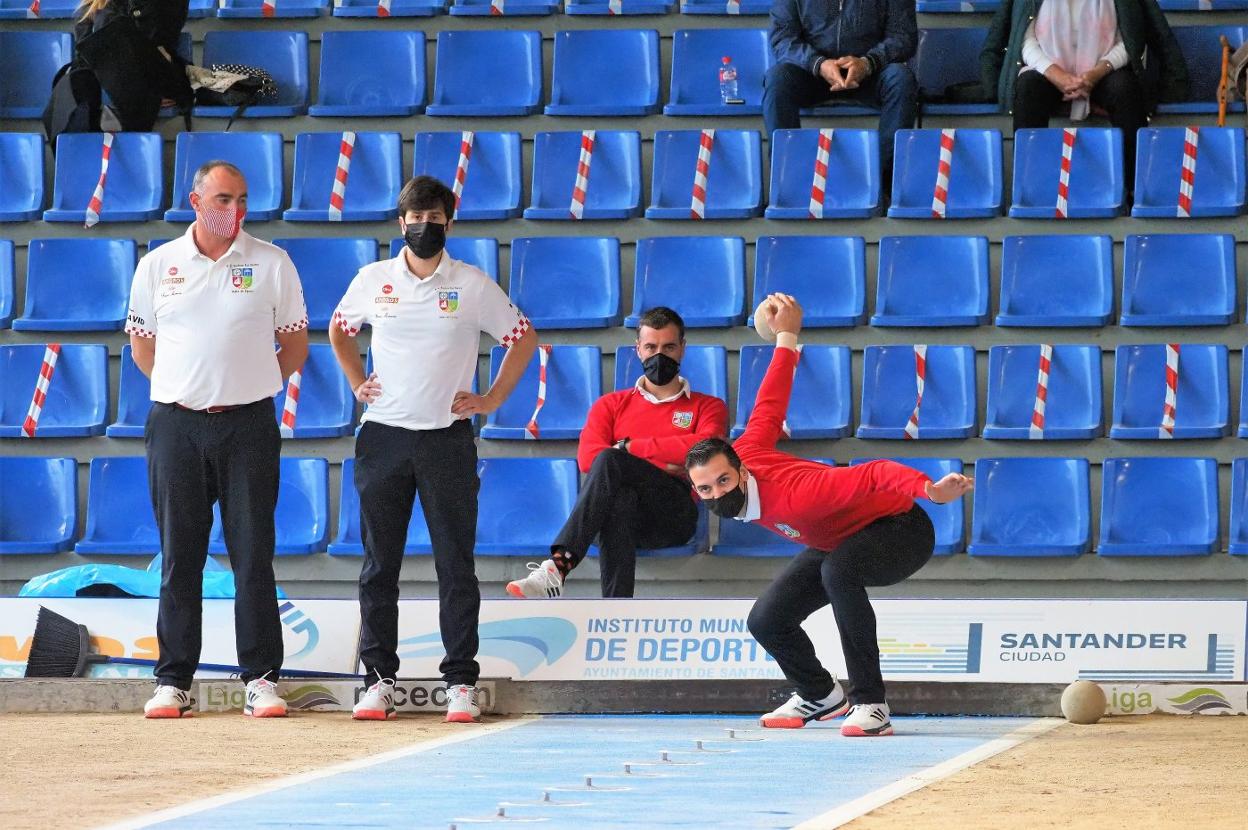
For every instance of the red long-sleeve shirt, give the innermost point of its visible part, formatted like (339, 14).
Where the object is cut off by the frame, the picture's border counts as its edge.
(811, 503)
(661, 433)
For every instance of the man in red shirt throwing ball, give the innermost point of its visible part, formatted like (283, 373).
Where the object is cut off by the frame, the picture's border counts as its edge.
(633, 448)
(861, 527)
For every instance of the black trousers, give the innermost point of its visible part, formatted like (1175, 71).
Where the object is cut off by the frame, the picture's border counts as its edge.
(193, 460)
(625, 503)
(393, 465)
(883, 553)
(1119, 93)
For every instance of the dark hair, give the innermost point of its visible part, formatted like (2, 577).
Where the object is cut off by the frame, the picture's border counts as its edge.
(701, 453)
(660, 317)
(426, 193)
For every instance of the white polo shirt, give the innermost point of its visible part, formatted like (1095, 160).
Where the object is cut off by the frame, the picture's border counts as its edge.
(425, 335)
(214, 322)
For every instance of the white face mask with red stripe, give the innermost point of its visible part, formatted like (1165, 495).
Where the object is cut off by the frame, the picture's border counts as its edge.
(223, 222)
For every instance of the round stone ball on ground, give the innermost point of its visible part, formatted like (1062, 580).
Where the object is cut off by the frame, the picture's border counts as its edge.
(1083, 702)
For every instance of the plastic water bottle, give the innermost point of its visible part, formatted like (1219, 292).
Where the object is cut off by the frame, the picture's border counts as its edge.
(728, 81)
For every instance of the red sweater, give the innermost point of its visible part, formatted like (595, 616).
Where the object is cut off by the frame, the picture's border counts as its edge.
(808, 502)
(661, 433)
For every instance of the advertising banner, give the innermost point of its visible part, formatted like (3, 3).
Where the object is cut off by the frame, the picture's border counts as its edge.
(338, 695)
(1175, 699)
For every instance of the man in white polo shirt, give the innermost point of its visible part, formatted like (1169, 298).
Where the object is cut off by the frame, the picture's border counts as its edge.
(205, 310)
(427, 312)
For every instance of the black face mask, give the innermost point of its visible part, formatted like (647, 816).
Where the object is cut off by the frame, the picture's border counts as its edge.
(660, 369)
(728, 506)
(425, 239)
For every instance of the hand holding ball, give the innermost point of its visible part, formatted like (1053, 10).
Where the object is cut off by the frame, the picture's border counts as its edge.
(782, 307)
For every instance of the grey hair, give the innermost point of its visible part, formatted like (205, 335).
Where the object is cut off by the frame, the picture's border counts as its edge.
(197, 183)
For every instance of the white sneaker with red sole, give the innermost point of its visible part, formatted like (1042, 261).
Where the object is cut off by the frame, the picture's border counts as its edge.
(263, 700)
(377, 703)
(543, 582)
(169, 702)
(867, 720)
(798, 711)
(461, 705)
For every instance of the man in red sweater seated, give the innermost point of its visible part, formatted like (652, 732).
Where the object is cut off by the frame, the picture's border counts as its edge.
(633, 447)
(861, 528)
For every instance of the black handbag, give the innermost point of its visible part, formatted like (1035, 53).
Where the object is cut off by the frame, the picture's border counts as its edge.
(255, 85)
(130, 69)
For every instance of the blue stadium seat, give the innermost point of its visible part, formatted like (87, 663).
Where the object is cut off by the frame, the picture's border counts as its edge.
(752, 539)
(614, 190)
(852, 184)
(573, 383)
(661, 277)
(1073, 400)
(1203, 402)
(48, 9)
(508, 8)
(38, 504)
(120, 519)
(948, 519)
(945, 57)
(371, 73)
(77, 284)
(725, 7)
(8, 284)
(624, 6)
(21, 176)
(258, 155)
(696, 57)
(1243, 406)
(1239, 515)
(1202, 6)
(1218, 188)
(955, 6)
(28, 60)
(1055, 281)
(281, 8)
(889, 392)
(77, 398)
(326, 403)
(567, 282)
(1031, 507)
(820, 403)
(283, 54)
(1139, 518)
(326, 267)
(398, 8)
(1202, 51)
(932, 281)
(373, 181)
(705, 367)
(1096, 177)
(302, 515)
(480, 252)
(734, 181)
(975, 177)
(826, 273)
(605, 72)
(134, 190)
(201, 8)
(1179, 280)
(134, 399)
(492, 183)
(490, 73)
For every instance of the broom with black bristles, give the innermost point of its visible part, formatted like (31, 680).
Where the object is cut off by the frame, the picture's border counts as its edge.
(61, 647)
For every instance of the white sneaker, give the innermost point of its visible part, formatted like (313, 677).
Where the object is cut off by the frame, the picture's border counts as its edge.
(263, 701)
(461, 705)
(377, 703)
(798, 711)
(543, 582)
(169, 702)
(867, 720)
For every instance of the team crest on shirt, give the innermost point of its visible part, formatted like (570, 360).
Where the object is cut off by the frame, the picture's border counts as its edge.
(682, 420)
(789, 531)
(241, 278)
(448, 301)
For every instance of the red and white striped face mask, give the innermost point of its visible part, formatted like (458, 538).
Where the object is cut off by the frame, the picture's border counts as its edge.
(223, 222)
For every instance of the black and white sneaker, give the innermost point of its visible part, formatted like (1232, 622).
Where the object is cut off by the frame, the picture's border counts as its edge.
(543, 582)
(867, 720)
(798, 711)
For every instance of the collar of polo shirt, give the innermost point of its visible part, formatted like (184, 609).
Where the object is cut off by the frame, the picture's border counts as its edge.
(236, 244)
(685, 391)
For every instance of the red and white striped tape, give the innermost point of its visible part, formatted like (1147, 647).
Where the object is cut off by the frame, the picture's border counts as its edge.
(1172, 391)
(784, 425)
(705, 143)
(531, 430)
(941, 197)
(1063, 177)
(615, 7)
(97, 198)
(466, 139)
(50, 353)
(291, 408)
(268, 8)
(338, 196)
(496, 7)
(1187, 174)
(1042, 393)
(818, 187)
(582, 174)
(32, 11)
(383, 8)
(920, 380)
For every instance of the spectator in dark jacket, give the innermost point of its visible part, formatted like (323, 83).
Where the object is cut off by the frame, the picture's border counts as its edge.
(848, 50)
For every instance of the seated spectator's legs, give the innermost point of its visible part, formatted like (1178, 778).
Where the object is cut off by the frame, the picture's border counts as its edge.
(1035, 100)
(1119, 93)
(786, 89)
(895, 91)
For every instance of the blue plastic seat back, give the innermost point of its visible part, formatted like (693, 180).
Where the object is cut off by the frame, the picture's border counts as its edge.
(1140, 518)
(889, 392)
(371, 73)
(949, 520)
(1096, 175)
(492, 181)
(820, 403)
(326, 404)
(326, 267)
(478, 251)
(945, 57)
(711, 295)
(1031, 507)
(725, 7)
(258, 155)
(1202, 52)
(48, 9)
(134, 399)
(77, 395)
(1179, 280)
(1218, 186)
(133, 190)
(605, 72)
(281, 9)
(8, 283)
(21, 176)
(975, 176)
(956, 6)
(573, 383)
(1202, 406)
(1238, 544)
(1073, 399)
(497, 72)
(38, 504)
(523, 503)
(398, 8)
(283, 54)
(733, 180)
(28, 60)
(705, 367)
(696, 58)
(373, 181)
(826, 273)
(567, 282)
(119, 509)
(852, 184)
(1056, 281)
(614, 182)
(77, 284)
(302, 516)
(932, 281)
